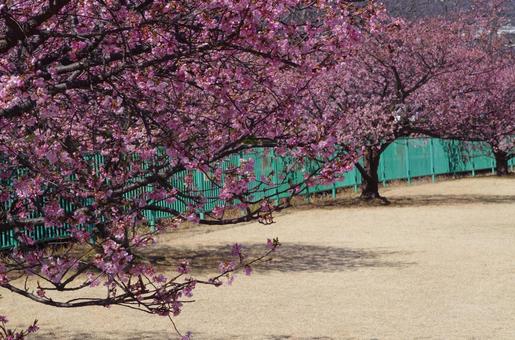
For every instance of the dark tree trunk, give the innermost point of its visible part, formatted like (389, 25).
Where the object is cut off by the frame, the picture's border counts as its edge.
(370, 178)
(501, 159)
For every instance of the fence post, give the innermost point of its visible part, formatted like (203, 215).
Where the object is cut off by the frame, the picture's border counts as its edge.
(276, 177)
(408, 172)
(333, 191)
(432, 157)
(355, 179)
(493, 166)
(92, 235)
(199, 185)
(152, 216)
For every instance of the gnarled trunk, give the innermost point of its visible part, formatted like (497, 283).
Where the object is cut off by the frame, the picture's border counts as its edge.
(369, 174)
(501, 159)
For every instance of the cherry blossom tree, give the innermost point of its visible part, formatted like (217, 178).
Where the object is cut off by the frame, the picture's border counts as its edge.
(381, 82)
(492, 120)
(481, 108)
(477, 102)
(103, 103)
(397, 78)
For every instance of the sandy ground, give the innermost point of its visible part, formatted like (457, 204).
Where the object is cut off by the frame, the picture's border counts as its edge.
(438, 263)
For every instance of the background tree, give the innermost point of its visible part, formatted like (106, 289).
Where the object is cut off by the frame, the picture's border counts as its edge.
(478, 104)
(377, 95)
(395, 81)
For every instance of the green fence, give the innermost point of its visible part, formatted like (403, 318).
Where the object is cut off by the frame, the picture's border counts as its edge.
(404, 159)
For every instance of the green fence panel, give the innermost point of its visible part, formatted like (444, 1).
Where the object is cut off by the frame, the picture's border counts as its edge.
(395, 161)
(274, 175)
(419, 158)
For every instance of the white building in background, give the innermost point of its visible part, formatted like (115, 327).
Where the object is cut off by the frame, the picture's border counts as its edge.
(510, 31)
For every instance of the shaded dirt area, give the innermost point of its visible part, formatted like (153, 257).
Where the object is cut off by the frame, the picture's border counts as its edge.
(437, 263)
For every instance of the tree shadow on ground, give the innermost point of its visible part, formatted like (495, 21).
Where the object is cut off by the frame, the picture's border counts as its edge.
(425, 200)
(412, 201)
(289, 337)
(145, 335)
(279, 337)
(289, 257)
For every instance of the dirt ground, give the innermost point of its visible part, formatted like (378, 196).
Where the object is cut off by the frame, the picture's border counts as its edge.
(438, 263)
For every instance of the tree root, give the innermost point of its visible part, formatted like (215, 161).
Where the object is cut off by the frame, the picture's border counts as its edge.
(375, 199)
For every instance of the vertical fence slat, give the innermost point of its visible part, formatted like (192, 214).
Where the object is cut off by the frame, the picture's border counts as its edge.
(408, 171)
